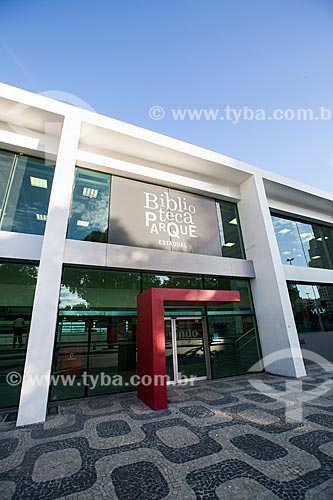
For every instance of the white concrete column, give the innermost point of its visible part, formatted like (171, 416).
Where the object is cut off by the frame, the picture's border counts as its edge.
(35, 384)
(277, 329)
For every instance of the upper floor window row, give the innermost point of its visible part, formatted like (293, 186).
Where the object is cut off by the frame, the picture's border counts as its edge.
(127, 212)
(123, 212)
(304, 243)
(25, 188)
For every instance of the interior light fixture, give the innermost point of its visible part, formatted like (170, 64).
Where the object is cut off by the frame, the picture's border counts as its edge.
(83, 223)
(41, 216)
(285, 231)
(315, 257)
(286, 253)
(305, 235)
(229, 244)
(233, 221)
(320, 239)
(38, 182)
(90, 192)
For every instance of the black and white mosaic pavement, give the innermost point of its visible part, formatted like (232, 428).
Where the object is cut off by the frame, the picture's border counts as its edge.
(219, 439)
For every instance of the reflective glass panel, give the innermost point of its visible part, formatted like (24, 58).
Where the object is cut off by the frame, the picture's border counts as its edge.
(170, 281)
(28, 193)
(94, 289)
(112, 354)
(168, 350)
(307, 240)
(289, 242)
(175, 281)
(6, 163)
(90, 206)
(304, 244)
(17, 289)
(190, 348)
(230, 232)
(312, 306)
(233, 344)
(96, 331)
(321, 247)
(242, 286)
(70, 358)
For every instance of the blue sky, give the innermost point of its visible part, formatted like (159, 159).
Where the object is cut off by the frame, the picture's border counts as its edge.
(124, 56)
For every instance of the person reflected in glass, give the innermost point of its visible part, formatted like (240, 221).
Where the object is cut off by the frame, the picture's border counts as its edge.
(18, 324)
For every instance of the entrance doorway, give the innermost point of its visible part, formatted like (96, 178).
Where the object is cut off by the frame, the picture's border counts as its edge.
(151, 338)
(186, 349)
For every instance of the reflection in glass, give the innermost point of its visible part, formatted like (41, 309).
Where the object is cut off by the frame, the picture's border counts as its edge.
(304, 244)
(170, 281)
(175, 281)
(90, 206)
(17, 289)
(96, 331)
(312, 307)
(242, 286)
(6, 163)
(233, 344)
(27, 195)
(70, 358)
(168, 350)
(190, 348)
(112, 351)
(97, 328)
(230, 232)
(289, 242)
(307, 238)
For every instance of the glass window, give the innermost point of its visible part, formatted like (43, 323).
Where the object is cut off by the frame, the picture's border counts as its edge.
(96, 331)
(288, 238)
(17, 289)
(170, 281)
(242, 286)
(233, 343)
(175, 281)
(304, 244)
(307, 239)
(230, 232)
(27, 196)
(90, 206)
(312, 306)
(321, 247)
(6, 164)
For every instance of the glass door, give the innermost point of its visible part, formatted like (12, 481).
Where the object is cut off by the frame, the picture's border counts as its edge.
(190, 348)
(169, 351)
(185, 349)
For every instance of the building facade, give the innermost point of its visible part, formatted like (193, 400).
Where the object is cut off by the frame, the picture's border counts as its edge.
(94, 212)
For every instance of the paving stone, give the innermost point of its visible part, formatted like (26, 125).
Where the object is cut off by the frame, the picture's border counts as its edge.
(7, 447)
(177, 437)
(259, 447)
(218, 439)
(196, 411)
(112, 428)
(140, 481)
(56, 465)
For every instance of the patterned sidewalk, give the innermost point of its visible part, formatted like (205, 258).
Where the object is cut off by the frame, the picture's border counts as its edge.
(218, 440)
